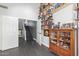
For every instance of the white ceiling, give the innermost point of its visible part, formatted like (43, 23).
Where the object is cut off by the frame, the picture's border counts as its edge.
(19, 4)
(25, 10)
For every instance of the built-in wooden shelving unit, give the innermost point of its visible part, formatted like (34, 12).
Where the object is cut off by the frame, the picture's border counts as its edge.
(45, 14)
(62, 42)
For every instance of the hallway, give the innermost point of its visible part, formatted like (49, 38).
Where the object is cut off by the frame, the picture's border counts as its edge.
(28, 49)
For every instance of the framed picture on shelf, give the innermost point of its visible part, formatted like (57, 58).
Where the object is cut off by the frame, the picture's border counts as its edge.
(46, 32)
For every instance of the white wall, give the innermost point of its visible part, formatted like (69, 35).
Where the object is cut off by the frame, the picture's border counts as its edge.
(65, 15)
(9, 32)
(39, 35)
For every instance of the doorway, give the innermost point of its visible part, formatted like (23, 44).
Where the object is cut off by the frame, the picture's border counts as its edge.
(32, 28)
(22, 32)
(27, 32)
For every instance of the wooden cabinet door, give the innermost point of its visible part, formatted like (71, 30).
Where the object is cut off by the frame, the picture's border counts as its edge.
(53, 48)
(64, 52)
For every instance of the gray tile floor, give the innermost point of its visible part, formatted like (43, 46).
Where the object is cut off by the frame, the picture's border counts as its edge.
(28, 49)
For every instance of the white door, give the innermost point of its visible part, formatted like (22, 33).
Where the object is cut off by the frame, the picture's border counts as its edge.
(39, 32)
(9, 32)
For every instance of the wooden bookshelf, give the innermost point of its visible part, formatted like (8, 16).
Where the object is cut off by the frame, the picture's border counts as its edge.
(62, 42)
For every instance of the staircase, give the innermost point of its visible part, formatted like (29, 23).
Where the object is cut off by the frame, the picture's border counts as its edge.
(29, 36)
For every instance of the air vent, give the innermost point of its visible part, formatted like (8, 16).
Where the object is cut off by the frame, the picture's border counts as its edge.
(2, 6)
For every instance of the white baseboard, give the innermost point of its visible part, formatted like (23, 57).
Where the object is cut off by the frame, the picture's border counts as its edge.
(9, 48)
(45, 44)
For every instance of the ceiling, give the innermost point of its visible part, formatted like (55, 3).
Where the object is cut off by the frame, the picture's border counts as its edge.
(19, 4)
